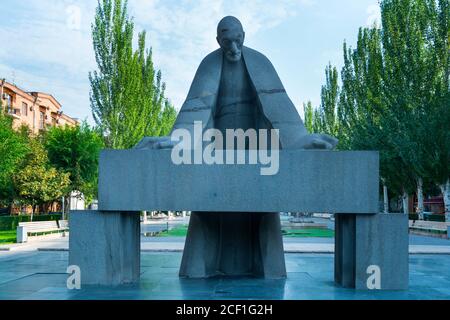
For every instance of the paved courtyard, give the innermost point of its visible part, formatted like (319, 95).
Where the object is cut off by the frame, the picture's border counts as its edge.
(41, 275)
(37, 270)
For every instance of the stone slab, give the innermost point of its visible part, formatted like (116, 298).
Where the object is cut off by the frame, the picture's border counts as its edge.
(307, 181)
(377, 240)
(22, 235)
(106, 247)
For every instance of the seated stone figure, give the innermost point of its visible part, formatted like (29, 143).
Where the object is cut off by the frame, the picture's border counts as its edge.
(236, 87)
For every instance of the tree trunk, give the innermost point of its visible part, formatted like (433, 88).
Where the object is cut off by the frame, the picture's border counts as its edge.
(445, 189)
(63, 208)
(66, 206)
(419, 209)
(32, 212)
(405, 202)
(385, 199)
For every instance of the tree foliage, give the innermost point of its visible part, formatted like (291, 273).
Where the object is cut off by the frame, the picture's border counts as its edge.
(13, 148)
(127, 93)
(38, 183)
(75, 150)
(394, 94)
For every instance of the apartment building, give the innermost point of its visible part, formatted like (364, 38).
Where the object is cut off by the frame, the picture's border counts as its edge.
(37, 110)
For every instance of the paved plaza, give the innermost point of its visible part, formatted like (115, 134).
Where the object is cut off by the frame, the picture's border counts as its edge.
(37, 270)
(39, 275)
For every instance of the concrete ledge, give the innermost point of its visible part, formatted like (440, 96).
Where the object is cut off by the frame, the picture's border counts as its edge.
(363, 242)
(106, 247)
(308, 181)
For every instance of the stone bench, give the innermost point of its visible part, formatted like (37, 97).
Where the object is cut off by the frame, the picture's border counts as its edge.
(26, 229)
(429, 226)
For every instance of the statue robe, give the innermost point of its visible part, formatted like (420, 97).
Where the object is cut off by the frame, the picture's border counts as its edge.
(230, 243)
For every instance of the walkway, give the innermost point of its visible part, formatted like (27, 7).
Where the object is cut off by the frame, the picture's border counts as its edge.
(41, 275)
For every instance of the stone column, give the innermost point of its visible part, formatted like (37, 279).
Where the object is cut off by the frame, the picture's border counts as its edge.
(106, 246)
(364, 243)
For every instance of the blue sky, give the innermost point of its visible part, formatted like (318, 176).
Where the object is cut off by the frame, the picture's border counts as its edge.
(46, 44)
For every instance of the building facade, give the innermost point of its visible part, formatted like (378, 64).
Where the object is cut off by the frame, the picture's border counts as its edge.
(37, 110)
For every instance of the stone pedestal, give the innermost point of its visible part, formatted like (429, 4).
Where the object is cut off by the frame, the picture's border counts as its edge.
(234, 244)
(22, 235)
(106, 246)
(365, 243)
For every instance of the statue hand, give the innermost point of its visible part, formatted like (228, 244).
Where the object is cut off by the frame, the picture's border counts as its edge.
(156, 143)
(317, 141)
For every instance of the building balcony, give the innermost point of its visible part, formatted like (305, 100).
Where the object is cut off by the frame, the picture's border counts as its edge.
(14, 113)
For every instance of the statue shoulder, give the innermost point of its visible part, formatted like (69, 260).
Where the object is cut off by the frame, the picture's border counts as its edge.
(207, 77)
(213, 58)
(262, 71)
(255, 56)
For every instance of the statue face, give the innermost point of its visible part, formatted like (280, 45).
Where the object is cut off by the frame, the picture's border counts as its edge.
(231, 41)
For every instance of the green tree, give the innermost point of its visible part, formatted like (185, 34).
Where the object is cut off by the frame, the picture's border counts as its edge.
(127, 93)
(329, 105)
(416, 78)
(13, 148)
(36, 182)
(75, 150)
(309, 116)
(394, 96)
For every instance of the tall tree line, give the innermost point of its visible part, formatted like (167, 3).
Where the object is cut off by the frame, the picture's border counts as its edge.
(127, 93)
(394, 96)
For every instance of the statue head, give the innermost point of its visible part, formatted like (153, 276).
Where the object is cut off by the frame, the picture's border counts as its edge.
(231, 36)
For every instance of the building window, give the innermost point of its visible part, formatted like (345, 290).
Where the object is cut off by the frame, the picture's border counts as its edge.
(8, 99)
(41, 120)
(24, 109)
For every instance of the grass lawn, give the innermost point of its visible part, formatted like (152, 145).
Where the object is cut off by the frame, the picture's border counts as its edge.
(181, 231)
(309, 233)
(7, 237)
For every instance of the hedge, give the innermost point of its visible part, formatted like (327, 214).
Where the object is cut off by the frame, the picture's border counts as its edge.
(428, 217)
(11, 222)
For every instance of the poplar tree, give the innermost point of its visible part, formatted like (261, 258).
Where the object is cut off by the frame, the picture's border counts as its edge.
(127, 93)
(394, 97)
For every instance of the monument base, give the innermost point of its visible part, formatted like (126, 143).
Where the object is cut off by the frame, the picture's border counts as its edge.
(233, 244)
(106, 246)
(371, 251)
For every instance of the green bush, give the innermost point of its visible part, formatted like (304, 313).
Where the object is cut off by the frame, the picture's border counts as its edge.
(435, 217)
(428, 217)
(11, 222)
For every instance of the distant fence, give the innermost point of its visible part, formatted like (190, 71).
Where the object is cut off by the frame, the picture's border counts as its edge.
(11, 222)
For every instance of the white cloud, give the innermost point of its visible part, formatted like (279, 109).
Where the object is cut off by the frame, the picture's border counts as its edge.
(47, 51)
(374, 15)
(49, 42)
(184, 32)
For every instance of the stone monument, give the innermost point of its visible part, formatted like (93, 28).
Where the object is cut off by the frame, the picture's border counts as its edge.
(236, 87)
(235, 226)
